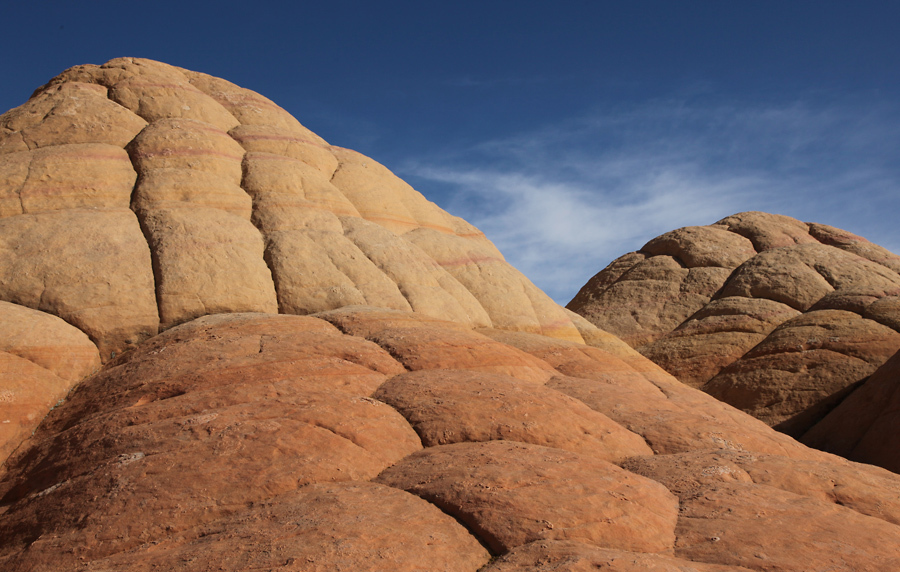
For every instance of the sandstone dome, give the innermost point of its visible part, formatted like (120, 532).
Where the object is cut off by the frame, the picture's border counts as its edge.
(780, 318)
(137, 196)
(285, 358)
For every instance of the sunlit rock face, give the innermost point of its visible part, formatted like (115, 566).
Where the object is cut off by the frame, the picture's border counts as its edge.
(366, 438)
(135, 196)
(308, 366)
(780, 318)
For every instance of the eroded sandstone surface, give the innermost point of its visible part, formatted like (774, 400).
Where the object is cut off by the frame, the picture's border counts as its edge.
(228, 345)
(780, 318)
(179, 194)
(261, 441)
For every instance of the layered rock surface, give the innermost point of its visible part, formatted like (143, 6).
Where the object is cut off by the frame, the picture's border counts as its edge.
(364, 438)
(780, 318)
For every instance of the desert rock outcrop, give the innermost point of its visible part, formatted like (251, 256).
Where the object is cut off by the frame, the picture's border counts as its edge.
(186, 195)
(308, 366)
(250, 441)
(780, 318)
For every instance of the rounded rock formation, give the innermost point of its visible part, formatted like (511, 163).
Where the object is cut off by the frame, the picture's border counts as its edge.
(432, 411)
(183, 195)
(780, 318)
(251, 441)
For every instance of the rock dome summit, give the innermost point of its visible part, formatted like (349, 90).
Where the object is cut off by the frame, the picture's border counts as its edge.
(229, 345)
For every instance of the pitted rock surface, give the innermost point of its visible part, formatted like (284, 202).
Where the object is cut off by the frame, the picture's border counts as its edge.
(791, 319)
(574, 556)
(452, 406)
(769, 529)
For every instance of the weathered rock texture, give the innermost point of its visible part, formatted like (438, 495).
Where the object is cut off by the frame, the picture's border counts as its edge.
(41, 358)
(308, 366)
(864, 426)
(363, 438)
(182, 195)
(780, 318)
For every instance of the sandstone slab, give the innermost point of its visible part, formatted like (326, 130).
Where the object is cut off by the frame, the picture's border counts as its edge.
(767, 231)
(157, 91)
(512, 302)
(429, 289)
(716, 336)
(303, 146)
(68, 113)
(769, 529)
(801, 275)
(422, 343)
(651, 298)
(510, 494)
(861, 488)
(61, 177)
(697, 246)
(27, 393)
(207, 261)
(451, 406)
(168, 188)
(47, 341)
(248, 107)
(339, 526)
(383, 198)
(569, 555)
(90, 268)
(863, 426)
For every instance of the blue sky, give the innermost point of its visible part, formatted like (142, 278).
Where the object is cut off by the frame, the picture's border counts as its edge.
(570, 132)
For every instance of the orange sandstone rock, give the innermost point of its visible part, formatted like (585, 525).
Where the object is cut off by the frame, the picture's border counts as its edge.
(135, 193)
(512, 493)
(452, 406)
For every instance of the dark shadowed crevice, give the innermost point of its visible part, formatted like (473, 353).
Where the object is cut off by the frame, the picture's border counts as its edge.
(267, 255)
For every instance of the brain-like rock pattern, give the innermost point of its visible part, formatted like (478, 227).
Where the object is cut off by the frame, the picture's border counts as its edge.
(262, 441)
(135, 196)
(308, 366)
(780, 318)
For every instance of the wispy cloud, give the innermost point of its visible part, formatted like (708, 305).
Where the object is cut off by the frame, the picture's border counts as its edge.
(562, 201)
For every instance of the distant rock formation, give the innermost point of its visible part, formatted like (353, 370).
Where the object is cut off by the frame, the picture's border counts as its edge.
(431, 410)
(864, 426)
(780, 318)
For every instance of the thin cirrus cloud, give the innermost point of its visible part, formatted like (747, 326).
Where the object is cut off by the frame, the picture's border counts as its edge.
(563, 201)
